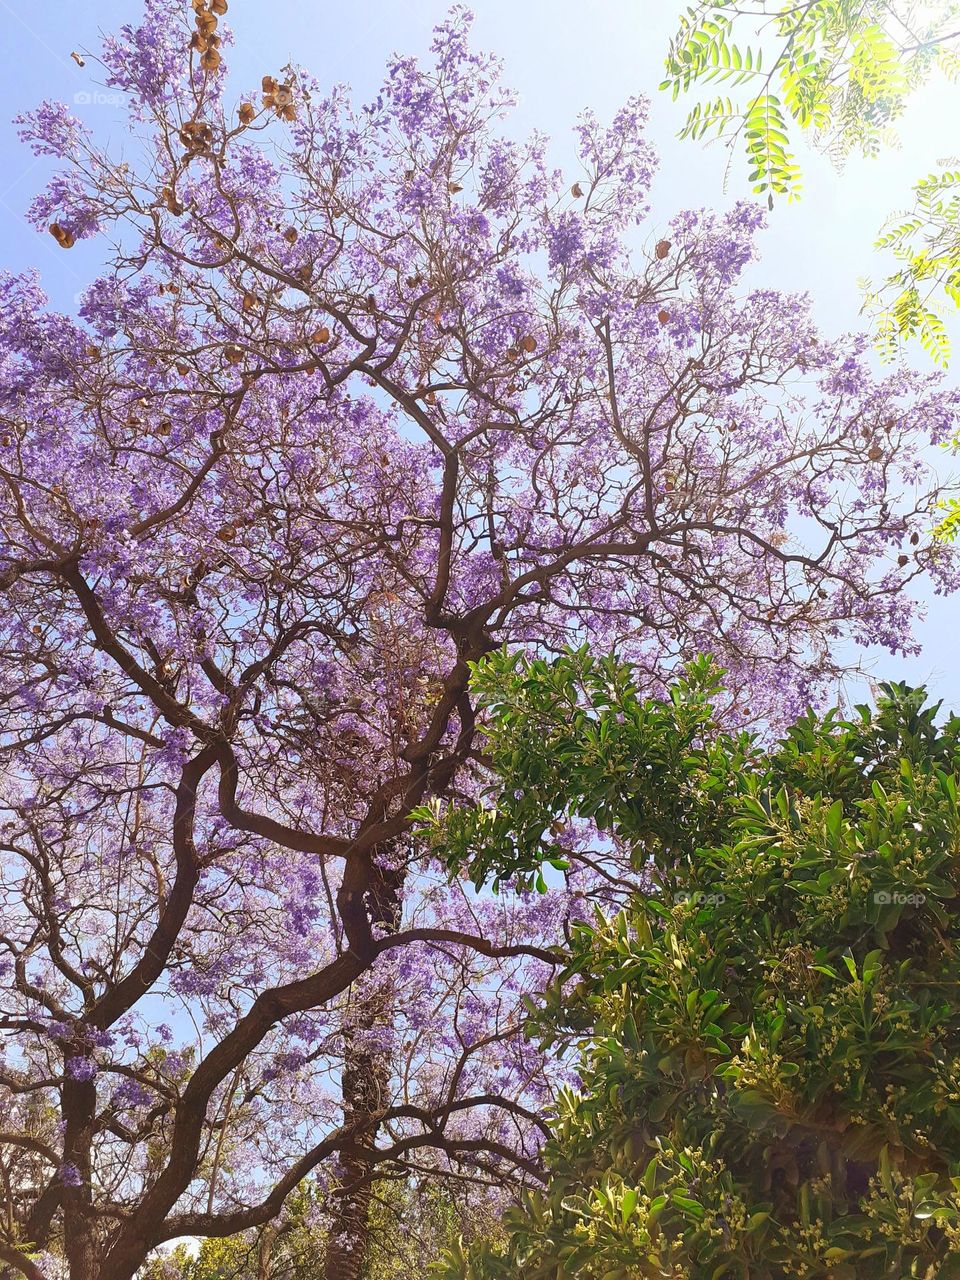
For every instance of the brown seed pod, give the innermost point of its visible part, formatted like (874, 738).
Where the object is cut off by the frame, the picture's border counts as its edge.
(268, 84)
(902, 560)
(249, 301)
(663, 317)
(227, 533)
(290, 235)
(247, 112)
(218, 6)
(182, 369)
(874, 453)
(233, 353)
(576, 191)
(321, 335)
(512, 353)
(529, 344)
(77, 59)
(64, 237)
(454, 188)
(210, 60)
(662, 249)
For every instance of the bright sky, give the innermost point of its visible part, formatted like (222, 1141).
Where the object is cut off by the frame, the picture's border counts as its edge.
(562, 56)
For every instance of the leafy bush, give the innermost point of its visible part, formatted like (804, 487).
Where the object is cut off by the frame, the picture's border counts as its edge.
(767, 1034)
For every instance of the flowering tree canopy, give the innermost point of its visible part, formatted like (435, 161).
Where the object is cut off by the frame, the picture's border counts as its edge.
(360, 395)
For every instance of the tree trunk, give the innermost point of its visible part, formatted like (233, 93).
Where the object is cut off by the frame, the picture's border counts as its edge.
(364, 1084)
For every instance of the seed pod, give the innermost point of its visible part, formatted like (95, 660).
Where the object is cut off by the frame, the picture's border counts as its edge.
(874, 453)
(182, 369)
(290, 235)
(662, 249)
(210, 60)
(454, 188)
(64, 237)
(77, 59)
(321, 335)
(246, 112)
(529, 344)
(219, 6)
(576, 191)
(233, 353)
(663, 317)
(902, 560)
(249, 301)
(227, 533)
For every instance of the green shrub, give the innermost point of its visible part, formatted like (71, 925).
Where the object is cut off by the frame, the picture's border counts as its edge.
(767, 1034)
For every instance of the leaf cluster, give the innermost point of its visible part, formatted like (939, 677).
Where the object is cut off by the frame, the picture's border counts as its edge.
(768, 1034)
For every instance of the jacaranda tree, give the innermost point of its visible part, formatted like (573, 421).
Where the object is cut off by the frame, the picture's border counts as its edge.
(359, 395)
(767, 1033)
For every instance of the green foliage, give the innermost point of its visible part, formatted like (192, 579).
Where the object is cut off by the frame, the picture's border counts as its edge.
(411, 1222)
(768, 1034)
(841, 70)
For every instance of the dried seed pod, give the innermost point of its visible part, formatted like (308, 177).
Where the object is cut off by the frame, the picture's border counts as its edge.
(529, 344)
(249, 301)
(663, 248)
(210, 60)
(454, 188)
(77, 59)
(321, 335)
(663, 317)
(247, 112)
(290, 235)
(234, 354)
(576, 191)
(63, 236)
(218, 6)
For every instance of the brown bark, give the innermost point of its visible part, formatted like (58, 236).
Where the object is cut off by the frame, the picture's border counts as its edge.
(365, 1083)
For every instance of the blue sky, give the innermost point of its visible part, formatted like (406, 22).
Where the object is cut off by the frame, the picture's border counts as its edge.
(561, 56)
